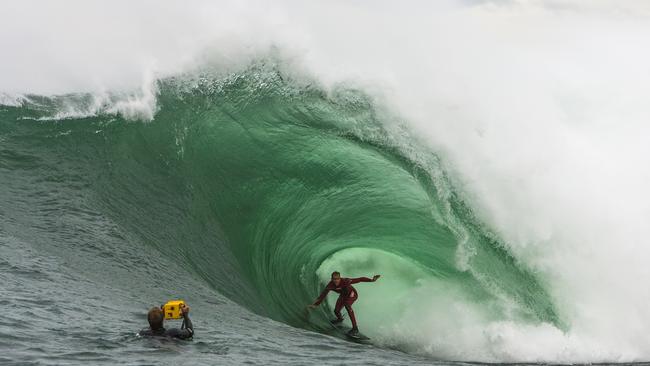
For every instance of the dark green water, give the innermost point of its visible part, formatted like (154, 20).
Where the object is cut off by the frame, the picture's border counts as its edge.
(240, 196)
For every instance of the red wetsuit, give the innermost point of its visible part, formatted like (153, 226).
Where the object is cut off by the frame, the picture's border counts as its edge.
(347, 296)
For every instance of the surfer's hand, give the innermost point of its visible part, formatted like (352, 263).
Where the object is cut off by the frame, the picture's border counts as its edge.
(185, 309)
(375, 277)
(311, 306)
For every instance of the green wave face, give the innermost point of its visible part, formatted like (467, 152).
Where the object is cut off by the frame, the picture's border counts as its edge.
(263, 187)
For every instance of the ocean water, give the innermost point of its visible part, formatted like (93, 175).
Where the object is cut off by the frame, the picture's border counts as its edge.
(489, 160)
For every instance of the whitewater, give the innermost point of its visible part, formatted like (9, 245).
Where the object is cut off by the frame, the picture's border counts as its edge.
(488, 158)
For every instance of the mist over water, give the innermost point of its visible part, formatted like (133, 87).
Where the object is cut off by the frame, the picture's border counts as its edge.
(537, 111)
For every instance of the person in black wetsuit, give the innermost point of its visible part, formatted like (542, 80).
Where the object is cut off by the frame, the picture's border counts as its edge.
(156, 329)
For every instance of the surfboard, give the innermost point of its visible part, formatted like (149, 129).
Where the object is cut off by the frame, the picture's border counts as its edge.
(341, 329)
(359, 337)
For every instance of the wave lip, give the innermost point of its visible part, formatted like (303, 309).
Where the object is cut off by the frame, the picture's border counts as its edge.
(261, 187)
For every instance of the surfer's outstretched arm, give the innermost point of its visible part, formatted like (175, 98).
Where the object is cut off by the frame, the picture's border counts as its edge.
(364, 279)
(321, 297)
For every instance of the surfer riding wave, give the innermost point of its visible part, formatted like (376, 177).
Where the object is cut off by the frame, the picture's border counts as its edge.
(347, 296)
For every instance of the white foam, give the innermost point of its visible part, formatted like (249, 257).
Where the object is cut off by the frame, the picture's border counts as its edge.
(540, 112)
(12, 100)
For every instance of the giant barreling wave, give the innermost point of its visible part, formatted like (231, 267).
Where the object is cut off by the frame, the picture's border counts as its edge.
(261, 185)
